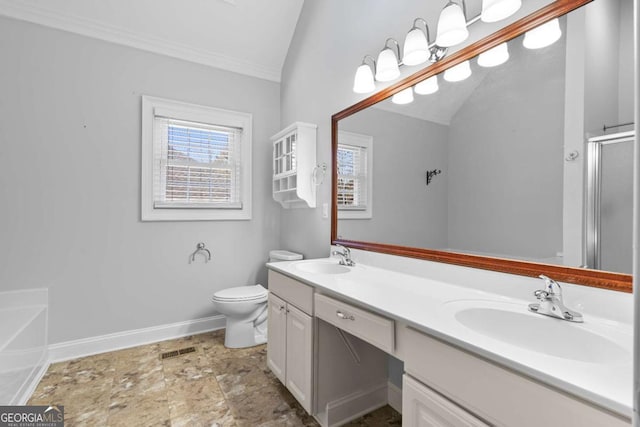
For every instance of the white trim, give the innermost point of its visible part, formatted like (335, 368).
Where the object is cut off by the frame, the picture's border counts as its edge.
(24, 297)
(94, 29)
(394, 396)
(88, 346)
(29, 387)
(203, 114)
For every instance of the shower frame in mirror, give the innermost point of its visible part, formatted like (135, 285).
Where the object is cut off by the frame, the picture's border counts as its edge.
(594, 278)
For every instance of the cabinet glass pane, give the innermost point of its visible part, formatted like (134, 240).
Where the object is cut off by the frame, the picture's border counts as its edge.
(293, 160)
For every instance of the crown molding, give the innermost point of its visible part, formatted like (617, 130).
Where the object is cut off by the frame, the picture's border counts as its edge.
(91, 28)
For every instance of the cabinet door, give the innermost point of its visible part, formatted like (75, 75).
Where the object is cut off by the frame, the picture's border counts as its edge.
(422, 407)
(277, 341)
(299, 355)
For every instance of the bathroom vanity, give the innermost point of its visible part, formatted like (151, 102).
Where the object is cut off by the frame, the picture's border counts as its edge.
(473, 354)
(318, 362)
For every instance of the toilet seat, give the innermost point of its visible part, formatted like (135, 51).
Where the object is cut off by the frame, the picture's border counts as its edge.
(241, 293)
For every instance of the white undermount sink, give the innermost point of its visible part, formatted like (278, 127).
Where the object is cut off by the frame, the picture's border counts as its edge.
(322, 267)
(513, 324)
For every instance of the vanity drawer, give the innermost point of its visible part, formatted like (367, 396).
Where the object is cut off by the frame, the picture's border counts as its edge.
(496, 394)
(372, 328)
(292, 291)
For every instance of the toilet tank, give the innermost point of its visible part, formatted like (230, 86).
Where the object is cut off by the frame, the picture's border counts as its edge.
(281, 255)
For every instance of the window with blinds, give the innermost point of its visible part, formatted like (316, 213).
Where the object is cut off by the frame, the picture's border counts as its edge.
(196, 162)
(196, 165)
(352, 177)
(355, 180)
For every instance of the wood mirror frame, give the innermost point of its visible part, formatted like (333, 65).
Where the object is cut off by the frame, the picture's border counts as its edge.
(594, 278)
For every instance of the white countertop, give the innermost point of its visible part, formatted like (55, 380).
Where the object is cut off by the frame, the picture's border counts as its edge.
(429, 305)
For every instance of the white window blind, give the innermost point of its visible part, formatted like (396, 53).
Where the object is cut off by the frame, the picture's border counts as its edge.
(352, 177)
(196, 162)
(196, 165)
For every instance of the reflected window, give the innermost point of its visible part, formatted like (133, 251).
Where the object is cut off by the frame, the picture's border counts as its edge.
(354, 175)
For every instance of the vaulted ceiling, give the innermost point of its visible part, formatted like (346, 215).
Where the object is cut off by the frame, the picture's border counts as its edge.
(245, 36)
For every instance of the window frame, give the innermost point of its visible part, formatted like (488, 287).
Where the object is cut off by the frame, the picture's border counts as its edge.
(366, 142)
(199, 114)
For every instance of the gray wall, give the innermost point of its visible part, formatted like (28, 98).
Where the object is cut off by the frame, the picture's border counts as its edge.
(70, 193)
(405, 210)
(505, 158)
(601, 64)
(625, 70)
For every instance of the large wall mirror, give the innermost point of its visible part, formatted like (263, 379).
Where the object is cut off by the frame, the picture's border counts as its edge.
(524, 167)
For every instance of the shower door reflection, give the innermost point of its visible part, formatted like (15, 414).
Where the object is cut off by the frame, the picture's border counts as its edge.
(609, 203)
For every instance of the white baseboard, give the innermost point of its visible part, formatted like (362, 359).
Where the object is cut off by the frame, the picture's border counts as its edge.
(394, 396)
(88, 346)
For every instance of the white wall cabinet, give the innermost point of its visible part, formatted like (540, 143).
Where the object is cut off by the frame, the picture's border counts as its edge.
(294, 163)
(290, 343)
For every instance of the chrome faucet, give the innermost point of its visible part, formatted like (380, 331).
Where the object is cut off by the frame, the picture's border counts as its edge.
(345, 256)
(551, 302)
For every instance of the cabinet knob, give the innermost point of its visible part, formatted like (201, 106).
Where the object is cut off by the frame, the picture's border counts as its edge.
(343, 316)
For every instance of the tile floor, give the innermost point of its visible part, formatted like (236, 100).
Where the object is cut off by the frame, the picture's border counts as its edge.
(214, 386)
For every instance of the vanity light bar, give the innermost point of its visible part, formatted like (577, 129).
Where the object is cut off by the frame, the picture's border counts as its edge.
(452, 30)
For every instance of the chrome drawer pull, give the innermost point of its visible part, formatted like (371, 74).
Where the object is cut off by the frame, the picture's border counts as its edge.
(343, 316)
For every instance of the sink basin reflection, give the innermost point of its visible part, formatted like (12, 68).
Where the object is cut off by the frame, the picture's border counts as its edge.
(322, 267)
(512, 324)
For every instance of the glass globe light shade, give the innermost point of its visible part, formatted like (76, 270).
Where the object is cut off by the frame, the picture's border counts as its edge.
(452, 26)
(494, 56)
(458, 72)
(387, 66)
(543, 36)
(363, 82)
(497, 10)
(403, 97)
(427, 87)
(416, 48)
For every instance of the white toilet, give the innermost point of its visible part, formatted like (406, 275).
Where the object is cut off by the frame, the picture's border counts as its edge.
(245, 308)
